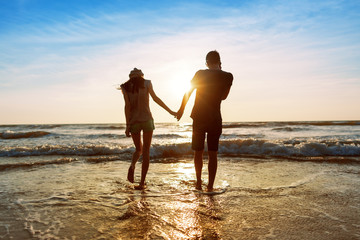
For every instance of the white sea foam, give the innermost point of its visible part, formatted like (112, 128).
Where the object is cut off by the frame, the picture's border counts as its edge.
(101, 142)
(260, 148)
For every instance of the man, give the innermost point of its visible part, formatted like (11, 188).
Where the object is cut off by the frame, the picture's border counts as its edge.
(212, 86)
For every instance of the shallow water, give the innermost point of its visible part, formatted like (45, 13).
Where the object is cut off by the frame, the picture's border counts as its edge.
(264, 199)
(278, 180)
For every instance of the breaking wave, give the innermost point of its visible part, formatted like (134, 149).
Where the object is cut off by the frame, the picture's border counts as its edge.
(53, 150)
(234, 147)
(340, 152)
(290, 149)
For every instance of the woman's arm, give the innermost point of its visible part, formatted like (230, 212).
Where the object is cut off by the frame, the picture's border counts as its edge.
(159, 101)
(127, 112)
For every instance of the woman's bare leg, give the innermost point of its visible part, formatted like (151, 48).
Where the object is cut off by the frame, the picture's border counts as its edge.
(136, 155)
(147, 137)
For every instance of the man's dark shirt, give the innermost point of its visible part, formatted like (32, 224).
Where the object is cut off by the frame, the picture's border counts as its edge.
(210, 85)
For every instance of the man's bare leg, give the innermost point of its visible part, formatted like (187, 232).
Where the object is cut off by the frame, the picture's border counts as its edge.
(198, 160)
(212, 167)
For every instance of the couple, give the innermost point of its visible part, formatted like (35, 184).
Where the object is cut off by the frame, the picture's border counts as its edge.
(212, 86)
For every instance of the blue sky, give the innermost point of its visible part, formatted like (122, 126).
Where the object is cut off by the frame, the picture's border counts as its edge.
(291, 60)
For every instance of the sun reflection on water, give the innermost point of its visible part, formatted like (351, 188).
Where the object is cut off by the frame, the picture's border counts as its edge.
(171, 209)
(186, 170)
(195, 219)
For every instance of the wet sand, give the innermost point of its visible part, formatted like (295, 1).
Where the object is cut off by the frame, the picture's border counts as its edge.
(264, 199)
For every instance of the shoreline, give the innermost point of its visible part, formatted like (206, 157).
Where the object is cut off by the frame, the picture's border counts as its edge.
(264, 199)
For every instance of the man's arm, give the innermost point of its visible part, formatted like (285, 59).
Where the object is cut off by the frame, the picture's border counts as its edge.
(184, 102)
(227, 90)
(225, 94)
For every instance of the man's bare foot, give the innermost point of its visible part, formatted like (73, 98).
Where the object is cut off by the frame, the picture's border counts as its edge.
(210, 189)
(198, 186)
(140, 187)
(130, 175)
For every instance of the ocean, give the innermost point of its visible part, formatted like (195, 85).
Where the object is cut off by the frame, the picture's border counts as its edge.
(303, 140)
(68, 181)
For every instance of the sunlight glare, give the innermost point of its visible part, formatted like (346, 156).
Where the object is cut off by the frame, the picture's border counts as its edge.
(187, 170)
(180, 83)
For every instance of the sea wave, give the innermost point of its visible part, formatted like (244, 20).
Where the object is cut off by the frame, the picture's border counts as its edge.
(245, 125)
(37, 126)
(294, 123)
(296, 149)
(241, 136)
(61, 150)
(122, 135)
(161, 136)
(340, 152)
(96, 136)
(108, 127)
(17, 135)
(36, 164)
(159, 151)
(330, 123)
(231, 147)
(42, 126)
(288, 129)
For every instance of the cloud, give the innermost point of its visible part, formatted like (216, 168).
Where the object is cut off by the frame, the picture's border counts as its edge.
(276, 51)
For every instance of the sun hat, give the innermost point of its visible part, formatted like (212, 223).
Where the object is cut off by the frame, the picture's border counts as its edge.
(136, 73)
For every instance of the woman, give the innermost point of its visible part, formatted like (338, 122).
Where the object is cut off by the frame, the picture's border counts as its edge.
(138, 118)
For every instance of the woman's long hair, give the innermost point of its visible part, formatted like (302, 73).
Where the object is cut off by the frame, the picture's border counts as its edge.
(134, 84)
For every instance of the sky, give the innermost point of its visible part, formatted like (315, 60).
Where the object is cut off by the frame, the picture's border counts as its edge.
(60, 61)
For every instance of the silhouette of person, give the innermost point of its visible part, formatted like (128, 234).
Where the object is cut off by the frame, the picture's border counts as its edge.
(212, 86)
(138, 116)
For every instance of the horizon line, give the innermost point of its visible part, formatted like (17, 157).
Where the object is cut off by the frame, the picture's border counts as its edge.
(94, 123)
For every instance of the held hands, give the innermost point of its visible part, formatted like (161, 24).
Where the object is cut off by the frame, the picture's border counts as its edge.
(173, 113)
(179, 114)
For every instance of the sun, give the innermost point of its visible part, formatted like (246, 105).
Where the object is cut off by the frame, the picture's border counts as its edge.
(179, 83)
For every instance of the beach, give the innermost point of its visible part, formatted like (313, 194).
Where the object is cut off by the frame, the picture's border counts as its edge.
(87, 87)
(264, 199)
(258, 196)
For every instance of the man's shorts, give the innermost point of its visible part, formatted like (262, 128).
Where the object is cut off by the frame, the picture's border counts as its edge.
(213, 135)
(147, 126)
